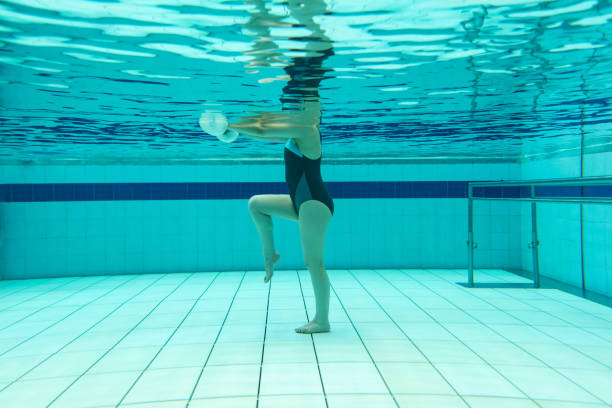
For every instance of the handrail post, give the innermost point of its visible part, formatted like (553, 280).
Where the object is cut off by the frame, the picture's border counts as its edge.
(470, 241)
(534, 241)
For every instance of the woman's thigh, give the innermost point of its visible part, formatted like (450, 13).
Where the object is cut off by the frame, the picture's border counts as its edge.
(314, 219)
(276, 205)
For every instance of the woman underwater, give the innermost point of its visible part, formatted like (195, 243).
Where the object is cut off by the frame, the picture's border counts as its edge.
(308, 201)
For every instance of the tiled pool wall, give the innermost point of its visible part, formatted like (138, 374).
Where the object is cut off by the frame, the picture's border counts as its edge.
(58, 238)
(382, 219)
(563, 254)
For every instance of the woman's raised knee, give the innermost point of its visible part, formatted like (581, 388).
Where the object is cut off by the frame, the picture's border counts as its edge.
(253, 203)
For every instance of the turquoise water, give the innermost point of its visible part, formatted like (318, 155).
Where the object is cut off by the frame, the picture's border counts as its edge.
(100, 80)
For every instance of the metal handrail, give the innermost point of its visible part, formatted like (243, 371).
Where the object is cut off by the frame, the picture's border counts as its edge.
(578, 181)
(581, 181)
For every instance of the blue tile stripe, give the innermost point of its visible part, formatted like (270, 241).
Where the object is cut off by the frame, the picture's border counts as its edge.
(238, 190)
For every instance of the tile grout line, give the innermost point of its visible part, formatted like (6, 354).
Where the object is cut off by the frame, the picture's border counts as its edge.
(458, 339)
(263, 347)
(52, 354)
(35, 296)
(571, 323)
(171, 335)
(535, 328)
(77, 291)
(65, 317)
(363, 344)
(552, 337)
(526, 351)
(215, 342)
(124, 336)
(408, 337)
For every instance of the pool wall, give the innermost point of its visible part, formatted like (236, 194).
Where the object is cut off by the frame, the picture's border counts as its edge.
(420, 225)
(570, 245)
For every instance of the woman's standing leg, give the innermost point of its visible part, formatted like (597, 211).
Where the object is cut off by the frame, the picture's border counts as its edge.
(314, 219)
(262, 207)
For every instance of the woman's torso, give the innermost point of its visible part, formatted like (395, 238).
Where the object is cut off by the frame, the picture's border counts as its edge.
(303, 173)
(309, 144)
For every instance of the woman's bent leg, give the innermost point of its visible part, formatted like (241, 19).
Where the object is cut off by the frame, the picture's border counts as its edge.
(262, 208)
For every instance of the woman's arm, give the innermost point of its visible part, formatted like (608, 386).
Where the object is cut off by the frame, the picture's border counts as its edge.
(273, 127)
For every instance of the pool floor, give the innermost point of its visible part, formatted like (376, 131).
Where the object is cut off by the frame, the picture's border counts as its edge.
(399, 338)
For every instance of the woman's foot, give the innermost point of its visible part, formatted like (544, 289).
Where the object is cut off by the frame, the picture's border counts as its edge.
(269, 262)
(313, 327)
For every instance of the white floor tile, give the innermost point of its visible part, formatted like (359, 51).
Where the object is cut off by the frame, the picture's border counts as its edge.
(227, 402)
(473, 332)
(336, 352)
(236, 353)
(65, 364)
(284, 301)
(163, 384)
(20, 394)
(426, 331)
(545, 383)
(413, 378)
(438, 351)
(478, 379)
(499, 402)
(451, 315)
(351, 378)
(522, 333)
(575, 336)
(156, 404)
(371, 315)
(159, 320)
(409, 316)
(534, 318)
(431, 301)
(293, 401)
(503, 353)
(394, 351)
(429, 401)
(562, 356)
(146, 337)
(586, 319)
(565, 404)
(117, 324)
(204, 318)
(41, 344)
(289, 352)
(604, 333)
(195, 334)
(259, 316)
(11, 368)
(493, 317)
(360, 401)
(228, 381)
(294, 378)
(601, 354)
(125, 359)
(182, 355)
(595, 381)
(381, 331)
(97, 389)
(242, 333)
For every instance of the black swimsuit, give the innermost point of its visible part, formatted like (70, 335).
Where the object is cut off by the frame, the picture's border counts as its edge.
(303, 177)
